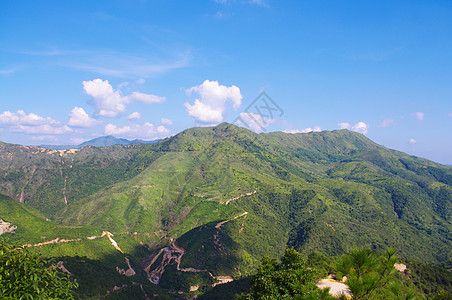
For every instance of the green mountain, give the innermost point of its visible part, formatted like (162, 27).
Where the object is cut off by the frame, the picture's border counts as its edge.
(206, 204)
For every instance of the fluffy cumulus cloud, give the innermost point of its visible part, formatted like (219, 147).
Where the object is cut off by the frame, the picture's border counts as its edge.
(412, 141)
(106, 101)
(360, 127)
(31, 123)
(209, 107)
(109, 102)
(79, 118)
(8, 118)
(146, 131)
(305, 130)
(134, 116)
(419, 116)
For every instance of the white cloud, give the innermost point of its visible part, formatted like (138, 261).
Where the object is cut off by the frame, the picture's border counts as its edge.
(42, 129)
(31, 123)
(110, 103)
(412, 141)
(79, 118)
(166, 121)
(305, 130)
(387, 123)
(134, 116)
(106, 101)
(419, 116)
(21, 118)
(146, 98)
(254, 122)
(204, 112)
(141, 81)
(145, 131)
(211, 104)
(344, 125)
(360, 127)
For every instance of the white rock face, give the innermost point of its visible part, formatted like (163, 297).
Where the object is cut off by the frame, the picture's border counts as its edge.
(6, 227)
(337, 288)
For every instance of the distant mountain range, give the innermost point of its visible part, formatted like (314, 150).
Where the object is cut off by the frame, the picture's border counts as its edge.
(103, 141)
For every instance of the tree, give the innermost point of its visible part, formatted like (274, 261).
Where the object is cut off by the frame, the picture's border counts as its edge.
(289, 279)
(27, 275)
(373, 276)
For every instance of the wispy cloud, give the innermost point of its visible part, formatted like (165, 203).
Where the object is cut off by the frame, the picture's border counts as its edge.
(134, 116)
(259, 2)
(387, 123)
(51, 51)
(166, 121)
(377, 55)
(305, 130)
(112, 63)
(9, 70)
(42, 129)
(130, 66)
(254, 2)
(419, 116)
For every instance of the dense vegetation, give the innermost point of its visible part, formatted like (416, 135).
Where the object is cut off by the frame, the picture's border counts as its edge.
(27, 275)
(227, 196)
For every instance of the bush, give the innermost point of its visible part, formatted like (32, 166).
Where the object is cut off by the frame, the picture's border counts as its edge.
(27, 275)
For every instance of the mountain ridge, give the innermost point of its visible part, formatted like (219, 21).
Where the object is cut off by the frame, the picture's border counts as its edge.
(103, 141)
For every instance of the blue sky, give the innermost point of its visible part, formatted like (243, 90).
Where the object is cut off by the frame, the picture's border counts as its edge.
(74, 70)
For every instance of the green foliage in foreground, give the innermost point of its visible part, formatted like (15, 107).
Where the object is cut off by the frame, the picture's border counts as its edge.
(27, 275)
(288, 279)
(372, 276)
(369, 276)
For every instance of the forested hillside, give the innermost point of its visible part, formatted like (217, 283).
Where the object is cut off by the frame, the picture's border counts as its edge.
(205, 205)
